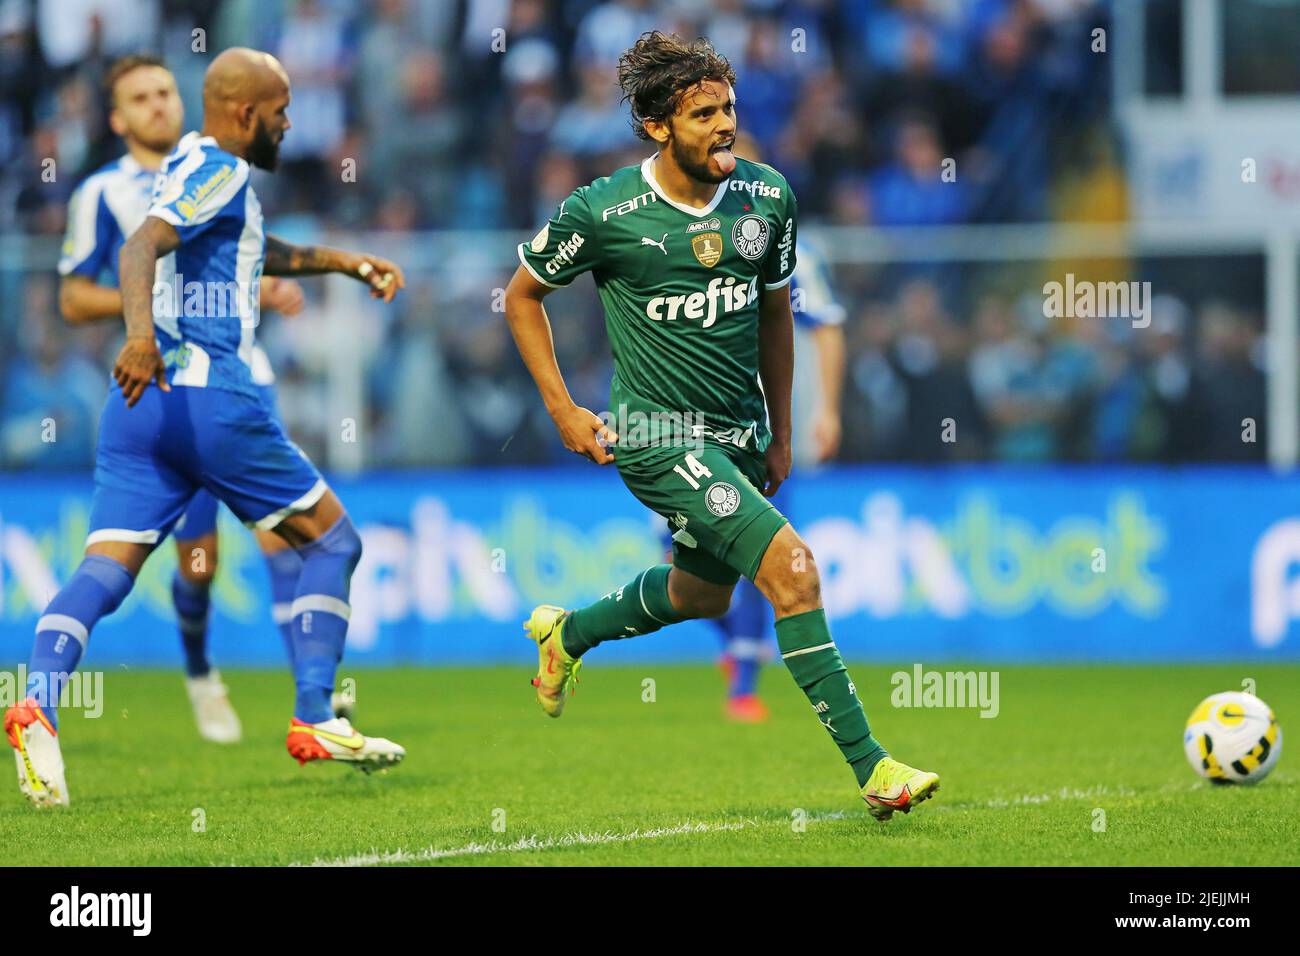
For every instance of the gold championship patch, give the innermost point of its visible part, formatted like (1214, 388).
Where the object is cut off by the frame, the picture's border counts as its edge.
(707, 248)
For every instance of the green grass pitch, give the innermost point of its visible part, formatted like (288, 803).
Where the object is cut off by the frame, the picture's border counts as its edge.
(490, 780)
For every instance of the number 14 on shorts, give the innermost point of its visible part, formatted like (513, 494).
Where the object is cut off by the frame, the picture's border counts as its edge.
(698, 470)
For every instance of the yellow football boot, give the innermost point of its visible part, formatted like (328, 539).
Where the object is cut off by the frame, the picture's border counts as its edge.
(557, 672)
(896, 786)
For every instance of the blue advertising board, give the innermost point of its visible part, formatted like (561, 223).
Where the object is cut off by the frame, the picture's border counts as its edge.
(958, 564)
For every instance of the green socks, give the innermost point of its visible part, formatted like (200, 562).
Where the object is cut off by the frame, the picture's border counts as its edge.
(815, 664)
(640, 607)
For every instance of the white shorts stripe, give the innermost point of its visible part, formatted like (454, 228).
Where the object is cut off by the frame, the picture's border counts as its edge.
(302, 504)
(320, 602)
(64, 625)
(122, 534)
(808, 650)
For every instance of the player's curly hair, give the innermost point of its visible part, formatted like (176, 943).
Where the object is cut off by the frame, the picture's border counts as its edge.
(658, 70)
(124, 65)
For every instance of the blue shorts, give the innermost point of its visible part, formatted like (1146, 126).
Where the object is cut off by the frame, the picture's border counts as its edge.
(153, 459)
(200, 518)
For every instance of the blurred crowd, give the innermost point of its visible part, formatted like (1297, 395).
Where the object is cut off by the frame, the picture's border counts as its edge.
(1019, 387)
(483, 114)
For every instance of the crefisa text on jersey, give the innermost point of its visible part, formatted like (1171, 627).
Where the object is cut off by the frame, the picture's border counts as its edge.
(756, 187)
(704, 305)
(567, 249)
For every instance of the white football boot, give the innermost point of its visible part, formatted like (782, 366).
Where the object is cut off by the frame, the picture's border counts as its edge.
(213, 712)
(337, 739)
(37, 753)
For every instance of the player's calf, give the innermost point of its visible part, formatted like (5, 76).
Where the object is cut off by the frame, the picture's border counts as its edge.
(641, 606)
(95, 590)
(319, 617)
(788, 577)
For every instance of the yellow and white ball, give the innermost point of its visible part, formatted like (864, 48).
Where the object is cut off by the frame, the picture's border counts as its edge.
(1233, 738)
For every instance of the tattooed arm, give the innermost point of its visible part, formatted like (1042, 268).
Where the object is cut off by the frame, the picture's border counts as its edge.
(285, 259)
(139, 364)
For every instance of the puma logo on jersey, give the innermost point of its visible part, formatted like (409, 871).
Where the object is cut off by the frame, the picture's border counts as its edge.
(704, 305)
(647, 241)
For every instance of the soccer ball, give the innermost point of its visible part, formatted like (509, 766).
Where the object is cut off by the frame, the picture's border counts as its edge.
(1233, 738)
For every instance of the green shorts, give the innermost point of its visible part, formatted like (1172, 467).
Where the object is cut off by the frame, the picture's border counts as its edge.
(713, 501)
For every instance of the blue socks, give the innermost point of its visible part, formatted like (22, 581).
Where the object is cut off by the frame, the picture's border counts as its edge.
(744, 628)
(95, 590)
(285, 567)
(192, 603)
(320, 613)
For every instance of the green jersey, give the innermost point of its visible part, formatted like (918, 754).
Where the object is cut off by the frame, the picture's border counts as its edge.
(681, 288)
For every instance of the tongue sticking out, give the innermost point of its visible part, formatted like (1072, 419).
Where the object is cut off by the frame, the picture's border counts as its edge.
(726, 161)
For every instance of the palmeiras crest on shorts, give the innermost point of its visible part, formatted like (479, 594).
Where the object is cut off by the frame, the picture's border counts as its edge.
(722, 498)
(707, 248)
(749, 235)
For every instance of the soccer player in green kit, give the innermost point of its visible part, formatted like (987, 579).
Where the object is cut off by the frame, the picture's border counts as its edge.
(692, 252)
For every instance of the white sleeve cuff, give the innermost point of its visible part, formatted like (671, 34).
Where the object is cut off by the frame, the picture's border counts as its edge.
(533, 272)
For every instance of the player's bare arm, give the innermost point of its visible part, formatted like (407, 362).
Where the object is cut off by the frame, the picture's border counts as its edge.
(140, 362)
(776, 370)
(579, 427)
(83, 300)
(828, 340)
(286, 259)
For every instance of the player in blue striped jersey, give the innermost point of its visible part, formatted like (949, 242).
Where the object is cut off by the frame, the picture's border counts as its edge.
(107, 207)
(186, 415)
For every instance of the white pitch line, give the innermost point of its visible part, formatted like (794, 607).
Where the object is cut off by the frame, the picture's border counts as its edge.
(581, 838)
(577, 838)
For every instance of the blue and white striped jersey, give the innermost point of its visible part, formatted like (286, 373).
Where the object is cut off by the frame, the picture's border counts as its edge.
(107, 207)
(206, 292)
(813, 303)
(811, 298)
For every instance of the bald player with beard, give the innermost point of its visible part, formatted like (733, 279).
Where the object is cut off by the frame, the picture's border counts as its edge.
(108, 206)
(185, 415)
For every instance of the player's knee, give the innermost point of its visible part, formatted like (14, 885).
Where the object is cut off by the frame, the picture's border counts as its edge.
(796, 594)
(341, 542)
(794, 585)
(712, 604)
(197, 566)
(199, 578)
